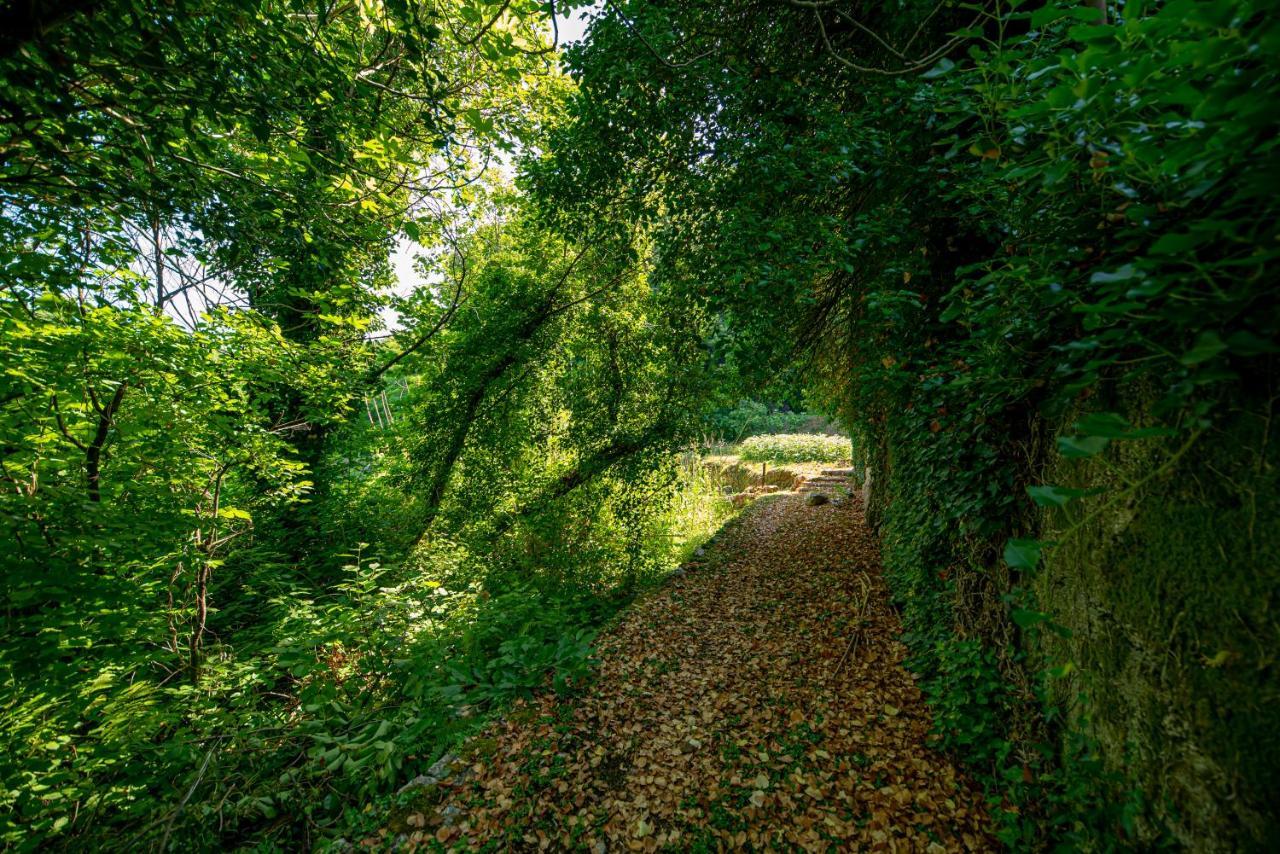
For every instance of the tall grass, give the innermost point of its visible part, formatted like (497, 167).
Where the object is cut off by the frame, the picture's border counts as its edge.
(698, 507)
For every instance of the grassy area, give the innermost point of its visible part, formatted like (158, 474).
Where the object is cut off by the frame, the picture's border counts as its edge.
(795, 448)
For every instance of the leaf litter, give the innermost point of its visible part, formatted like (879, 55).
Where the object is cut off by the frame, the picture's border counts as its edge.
(756, 701)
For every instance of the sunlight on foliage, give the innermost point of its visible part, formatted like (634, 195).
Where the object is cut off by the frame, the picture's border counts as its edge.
(795, 448)
(353, 355)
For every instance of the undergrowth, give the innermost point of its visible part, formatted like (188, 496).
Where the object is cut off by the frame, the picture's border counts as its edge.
(318, 704)
(1045, 780)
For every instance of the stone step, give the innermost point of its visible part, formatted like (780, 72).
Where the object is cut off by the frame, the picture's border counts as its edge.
(838, 472)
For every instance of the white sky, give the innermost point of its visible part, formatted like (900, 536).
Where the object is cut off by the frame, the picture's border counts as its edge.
(573, 25)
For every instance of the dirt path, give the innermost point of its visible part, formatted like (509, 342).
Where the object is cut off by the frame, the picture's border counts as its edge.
(757, 700)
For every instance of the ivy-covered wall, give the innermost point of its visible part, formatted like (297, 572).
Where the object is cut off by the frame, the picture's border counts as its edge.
(1168, 592)
(1123, 693)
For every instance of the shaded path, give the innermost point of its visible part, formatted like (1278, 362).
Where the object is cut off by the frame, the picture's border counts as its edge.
(757, 700)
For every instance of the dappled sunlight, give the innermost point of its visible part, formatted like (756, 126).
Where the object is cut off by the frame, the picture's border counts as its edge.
(633, 425)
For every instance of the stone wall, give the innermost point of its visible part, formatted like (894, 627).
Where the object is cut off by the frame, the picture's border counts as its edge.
(1167, 585)
(1169, 590)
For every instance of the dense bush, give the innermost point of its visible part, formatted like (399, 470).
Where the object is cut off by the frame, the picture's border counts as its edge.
(795, 448)
(752, 418)
(312, 701)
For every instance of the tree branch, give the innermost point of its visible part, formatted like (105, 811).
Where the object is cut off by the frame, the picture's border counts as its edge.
(93, 454)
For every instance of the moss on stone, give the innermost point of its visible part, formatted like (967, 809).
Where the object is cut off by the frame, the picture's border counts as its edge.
(1169, 594)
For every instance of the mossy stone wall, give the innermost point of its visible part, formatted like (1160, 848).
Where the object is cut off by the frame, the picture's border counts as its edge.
(1167, 584)
(1169, 592)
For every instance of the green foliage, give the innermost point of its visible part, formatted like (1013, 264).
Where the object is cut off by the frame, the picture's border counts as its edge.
(795, 448)
(520, 667)
(971, 230)
(752, 418)
(199, 206)
(975, 246)
(967, 695)
(1038, 789)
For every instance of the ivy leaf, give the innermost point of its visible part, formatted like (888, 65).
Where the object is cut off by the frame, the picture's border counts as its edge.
(1062, 670)
(1244, 343)
(1208, 345)
(1111, 425)
(1051, 12)
(1059, 496)
(1079, 447)
(944, 65)
(1023, 554)
(1177, 243)
(1026, 618)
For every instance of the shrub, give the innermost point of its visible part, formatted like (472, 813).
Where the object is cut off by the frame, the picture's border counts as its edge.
(751, 418)
(795, 448)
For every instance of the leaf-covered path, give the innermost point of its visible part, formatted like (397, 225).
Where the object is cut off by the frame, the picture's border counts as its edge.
(756, 700)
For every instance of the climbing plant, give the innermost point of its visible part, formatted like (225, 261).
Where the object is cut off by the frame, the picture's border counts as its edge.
(1006, 234)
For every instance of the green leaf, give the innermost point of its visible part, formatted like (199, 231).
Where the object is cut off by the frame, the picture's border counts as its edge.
(1078, 447)
(1177, 244)
(1120, 274)
(944, 65)
(1062, 670)
(1059, 496)
(1110, 425)
(1051, 12)
(1025, 618)
(1245, 343)
(1208, 345)
(1023, 554)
